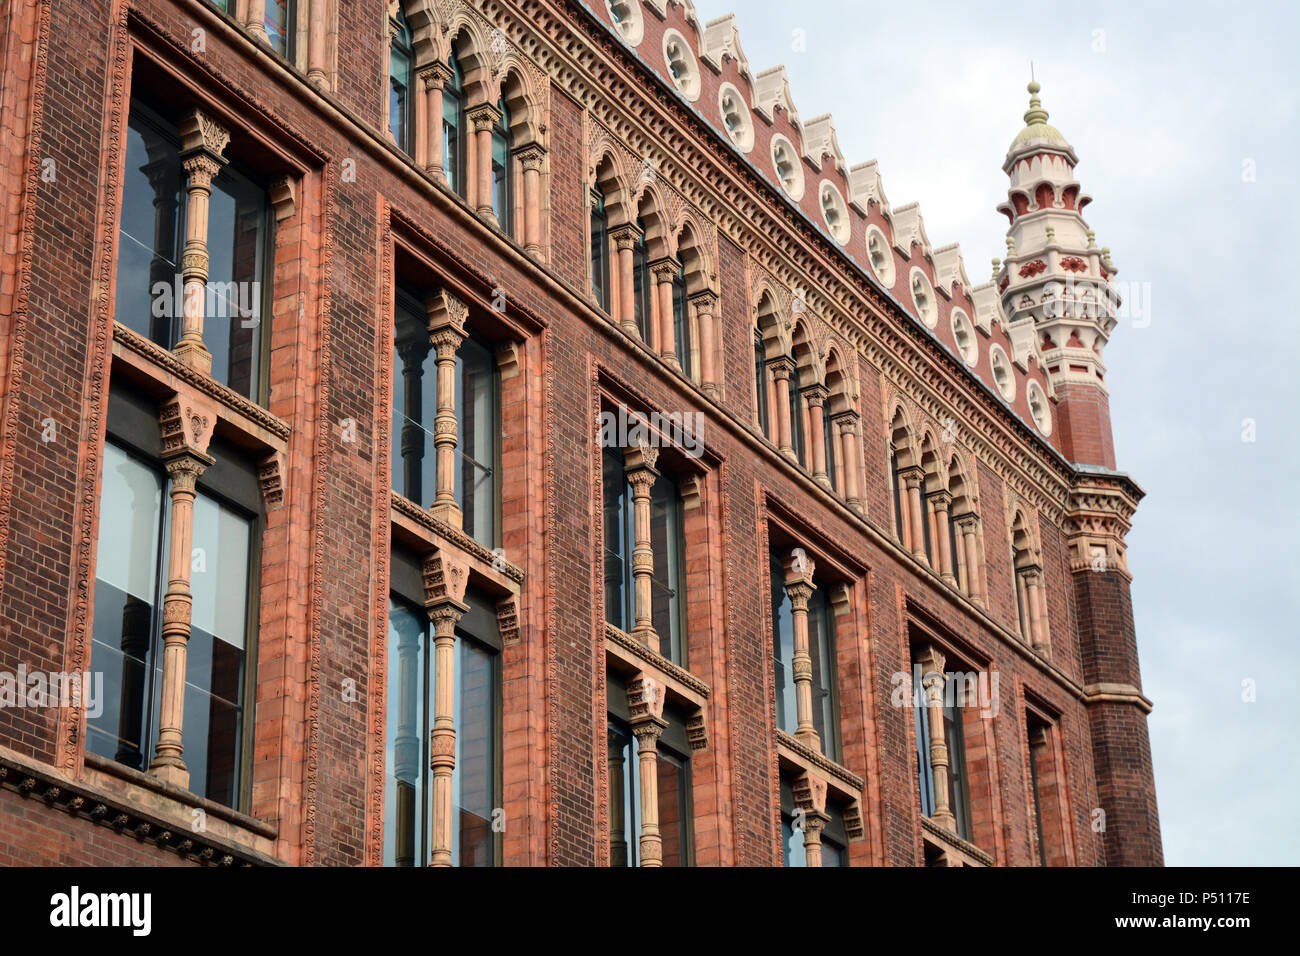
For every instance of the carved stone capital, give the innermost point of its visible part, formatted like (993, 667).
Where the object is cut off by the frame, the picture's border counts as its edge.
(705, 302)
(639, 462)
(530, 156)
(444, 578)
(185, 468)
(799, 570)
(810, 793)
(200, 133)
(665, 270)
(781, 367)
(483, 117)
(847, 421)
(433, 75)
(940, 500)
(625, 237)
(201, 169)
(445, 311)
(815, 395)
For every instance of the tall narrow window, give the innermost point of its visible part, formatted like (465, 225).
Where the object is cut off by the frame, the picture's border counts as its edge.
(1022, 598)
(760, 382)
(955, 739)
(642, 287)
(279, 20)
(821, 648)
(834, 836)
(925, 524)
(600, 252)
(454, 132)
(135, 511)
(796, 420)
(149, 282)
(415, 404)
(401, 100)
(896, 485)
(952, 550)
(502, 174)
(673, 773)
(681, 321)
(476, 779)
(668, 545)
(478, 413)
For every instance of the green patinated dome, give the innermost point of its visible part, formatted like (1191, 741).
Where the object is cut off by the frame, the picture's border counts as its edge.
(1036, 125)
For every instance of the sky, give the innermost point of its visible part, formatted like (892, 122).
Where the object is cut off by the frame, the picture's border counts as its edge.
(1184, 118)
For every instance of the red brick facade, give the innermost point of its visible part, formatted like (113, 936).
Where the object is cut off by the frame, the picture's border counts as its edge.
(363, 219)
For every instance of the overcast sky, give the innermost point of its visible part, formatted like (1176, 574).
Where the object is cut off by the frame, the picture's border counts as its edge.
(1184, 119)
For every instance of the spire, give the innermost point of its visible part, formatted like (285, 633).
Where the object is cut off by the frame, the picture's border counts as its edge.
(1035, 113)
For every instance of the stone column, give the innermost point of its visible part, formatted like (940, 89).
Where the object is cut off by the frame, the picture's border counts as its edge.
(967, 524)
(912, 479)
(484, 119)
(645, 698)
(255, 20)
(810, 797)
(664, 272)
(934, 680)
(430, 80)
(446, 331)
(625, 238)
(445, 613)
(617, 820)
(799, 586)
(1037, 608)
(531, 158)
(815, 397)
(202, 143)
(848, 423)
(706, 305)
(939, 503)
(639, 463)
(186, 430)
(316, 42)
(782, 368)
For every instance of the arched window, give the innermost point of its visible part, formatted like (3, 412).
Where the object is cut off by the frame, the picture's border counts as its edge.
(681, 321)
(760, 382)
(600, 251)
(642, 287)
(401, 100)
(502, 173)
(454, 133)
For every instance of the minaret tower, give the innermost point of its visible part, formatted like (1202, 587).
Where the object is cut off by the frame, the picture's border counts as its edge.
(1055, 277)
(1058, 286)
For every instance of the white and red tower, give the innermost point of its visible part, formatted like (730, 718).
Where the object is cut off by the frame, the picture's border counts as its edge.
(1056, 278)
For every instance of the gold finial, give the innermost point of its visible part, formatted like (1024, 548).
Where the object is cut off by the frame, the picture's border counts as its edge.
(1035, 113)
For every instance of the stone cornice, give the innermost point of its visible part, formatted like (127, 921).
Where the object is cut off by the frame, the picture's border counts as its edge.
(35, 781)
(456, 537)
(843, 778)
(169, 363)
(682, 676)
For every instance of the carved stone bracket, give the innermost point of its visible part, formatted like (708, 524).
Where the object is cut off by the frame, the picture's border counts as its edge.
(444, 578)
(508, 620)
